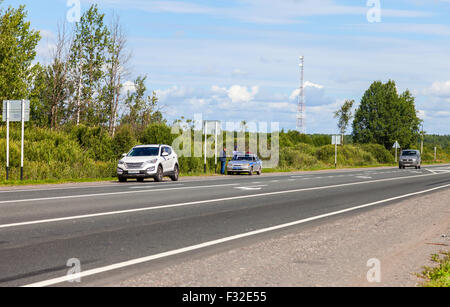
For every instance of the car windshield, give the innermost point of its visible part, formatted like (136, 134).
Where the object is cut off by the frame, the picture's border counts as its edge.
(409, 153)
(144, 152)
(243, 158)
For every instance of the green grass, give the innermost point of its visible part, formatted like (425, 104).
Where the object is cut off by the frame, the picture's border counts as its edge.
(438, 276)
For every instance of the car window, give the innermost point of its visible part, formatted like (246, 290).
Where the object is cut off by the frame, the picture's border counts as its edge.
(167, 150)
(144, 152)
(410, 153)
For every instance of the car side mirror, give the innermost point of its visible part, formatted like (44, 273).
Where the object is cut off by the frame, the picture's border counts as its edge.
(124, 155)
(165, 154)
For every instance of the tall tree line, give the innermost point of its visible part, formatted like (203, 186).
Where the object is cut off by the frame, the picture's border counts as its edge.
(83, 83)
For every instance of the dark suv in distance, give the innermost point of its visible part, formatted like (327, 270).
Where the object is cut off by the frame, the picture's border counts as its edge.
(410, 158)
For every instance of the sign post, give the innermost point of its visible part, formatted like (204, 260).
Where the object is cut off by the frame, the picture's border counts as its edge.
(7, 137)
(15, 111)
(396, 146)
(23, 137)
(211, 127)
(336, 140)
(206, 141)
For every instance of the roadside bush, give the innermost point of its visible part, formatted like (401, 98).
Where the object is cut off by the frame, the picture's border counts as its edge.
(123, 141)
(379, 152)
(157, 134)
(96, 142)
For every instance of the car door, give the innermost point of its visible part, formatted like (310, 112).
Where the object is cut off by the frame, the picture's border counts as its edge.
(169, 162)
(165, 159)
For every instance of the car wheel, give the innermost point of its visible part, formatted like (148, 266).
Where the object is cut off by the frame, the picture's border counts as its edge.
(176, 173)
(251, 172)
(159, 174)
(122, 179)
(259, 172)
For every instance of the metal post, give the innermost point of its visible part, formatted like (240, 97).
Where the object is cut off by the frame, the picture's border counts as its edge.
(7, 139)
(435, 153)
(335, 153)
(421, 142)
(215, 147)
(396, 154)
(206, 140)
(23, 136)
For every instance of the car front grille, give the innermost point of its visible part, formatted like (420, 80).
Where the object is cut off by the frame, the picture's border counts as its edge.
(134, 165)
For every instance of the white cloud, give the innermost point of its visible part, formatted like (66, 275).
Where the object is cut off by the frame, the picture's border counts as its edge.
(238, 73)
(128, 86)
(239, 93)
(440, 89)
(307, 84)
(261, 11)
(174, 92)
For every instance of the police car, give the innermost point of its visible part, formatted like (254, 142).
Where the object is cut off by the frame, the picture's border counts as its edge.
(244, 163)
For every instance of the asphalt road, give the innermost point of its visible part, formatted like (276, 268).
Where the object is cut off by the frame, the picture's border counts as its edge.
(117, 230)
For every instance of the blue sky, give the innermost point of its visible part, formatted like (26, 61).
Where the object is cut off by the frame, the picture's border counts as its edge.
(238, 59)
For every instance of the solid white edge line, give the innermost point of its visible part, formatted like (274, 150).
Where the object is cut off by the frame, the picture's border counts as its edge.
(215, 242)
(110, 213)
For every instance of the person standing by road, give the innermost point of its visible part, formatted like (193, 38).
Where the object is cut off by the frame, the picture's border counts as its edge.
(235, 151)
(223, 161)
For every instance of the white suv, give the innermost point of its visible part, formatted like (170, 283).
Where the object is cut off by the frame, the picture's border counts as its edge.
(149, 161)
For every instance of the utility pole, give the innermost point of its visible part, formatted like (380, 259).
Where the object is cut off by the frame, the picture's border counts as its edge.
(301, 112)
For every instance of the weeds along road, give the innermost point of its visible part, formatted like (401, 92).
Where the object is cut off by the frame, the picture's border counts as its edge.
(117, 230)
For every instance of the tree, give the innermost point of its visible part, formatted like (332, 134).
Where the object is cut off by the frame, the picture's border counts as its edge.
(17, 51)
(344, 115)
(88, 57)
(117, 59)
(52, 87)
(143, 110)
(384, 117)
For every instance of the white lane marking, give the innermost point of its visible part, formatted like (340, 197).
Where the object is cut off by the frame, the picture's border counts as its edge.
(153, 186)
(201, 202)
(363, 177)
(112, 193)
(216, 242)
(253, 188)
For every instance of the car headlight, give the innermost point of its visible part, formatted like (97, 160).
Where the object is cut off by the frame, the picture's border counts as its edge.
(121, 162)
(154, 161)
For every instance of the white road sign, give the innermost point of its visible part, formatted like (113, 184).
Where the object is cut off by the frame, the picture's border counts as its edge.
(396, 145)
(15, 110)
(336, 140)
